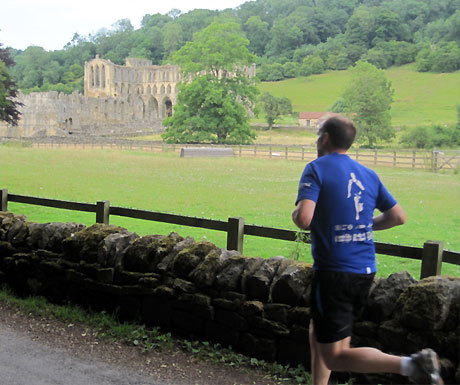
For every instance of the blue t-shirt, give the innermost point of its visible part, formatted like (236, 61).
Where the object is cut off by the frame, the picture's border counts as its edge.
(346, 194)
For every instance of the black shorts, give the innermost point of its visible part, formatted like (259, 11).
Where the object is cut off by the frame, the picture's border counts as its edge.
(337, 298)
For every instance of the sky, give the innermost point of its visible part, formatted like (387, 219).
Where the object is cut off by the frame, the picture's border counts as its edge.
(51, 24)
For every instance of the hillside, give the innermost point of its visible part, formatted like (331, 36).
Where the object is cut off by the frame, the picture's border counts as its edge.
(289, 38)
(420, 98)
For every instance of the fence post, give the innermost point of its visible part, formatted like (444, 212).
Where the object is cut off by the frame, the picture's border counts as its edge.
(3, 199)
(103, 212)
(303, 153)
(435, 160)
(431, 258)
(394, 158)
(270, 152)
(235, 234)
(286, 153)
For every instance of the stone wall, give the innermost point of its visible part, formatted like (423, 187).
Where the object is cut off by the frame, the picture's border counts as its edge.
(258, 306)
(57, 114)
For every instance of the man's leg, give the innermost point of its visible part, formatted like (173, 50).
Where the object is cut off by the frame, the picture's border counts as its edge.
(319, 371)
(339, 356)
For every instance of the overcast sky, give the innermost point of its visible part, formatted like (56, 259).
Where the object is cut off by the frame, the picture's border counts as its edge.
(51, 24)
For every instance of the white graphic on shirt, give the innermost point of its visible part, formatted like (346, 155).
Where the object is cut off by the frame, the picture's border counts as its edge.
(349, 237)
(357, 191)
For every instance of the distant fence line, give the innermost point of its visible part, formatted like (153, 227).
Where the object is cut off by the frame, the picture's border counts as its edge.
(432, 254)
(411, 159)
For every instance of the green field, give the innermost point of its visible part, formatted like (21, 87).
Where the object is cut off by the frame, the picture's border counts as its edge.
(261, 191)
(420, 98)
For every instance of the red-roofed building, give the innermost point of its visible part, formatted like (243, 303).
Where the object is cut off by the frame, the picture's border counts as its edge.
(312, 120)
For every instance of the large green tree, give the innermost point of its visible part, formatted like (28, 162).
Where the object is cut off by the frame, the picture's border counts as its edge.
(216, 95)
(8, 104)
(367, 101)
(274, 107)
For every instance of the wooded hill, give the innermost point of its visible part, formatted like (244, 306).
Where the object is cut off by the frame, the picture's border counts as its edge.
(289, 37)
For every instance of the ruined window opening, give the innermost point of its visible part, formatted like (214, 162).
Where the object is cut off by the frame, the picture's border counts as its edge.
(92, 76)
(98, 75)
(103, 76)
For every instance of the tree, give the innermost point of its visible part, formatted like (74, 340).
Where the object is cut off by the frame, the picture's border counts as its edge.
(274, 107)
(172, 38)
(367, 100)
(291, 69)
(313, 65)
(258, 34)
(8, 92)
(216, 94)
(270, 72)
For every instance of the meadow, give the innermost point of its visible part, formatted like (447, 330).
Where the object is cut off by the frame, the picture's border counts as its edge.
(420, 98)
(260, 190)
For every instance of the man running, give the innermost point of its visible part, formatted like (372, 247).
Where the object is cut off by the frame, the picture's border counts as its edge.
(336, 200)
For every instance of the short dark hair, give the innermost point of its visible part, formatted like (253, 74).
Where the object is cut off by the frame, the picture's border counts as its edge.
(341, 131)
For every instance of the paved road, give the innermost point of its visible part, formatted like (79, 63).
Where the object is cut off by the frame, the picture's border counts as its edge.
(27, 362)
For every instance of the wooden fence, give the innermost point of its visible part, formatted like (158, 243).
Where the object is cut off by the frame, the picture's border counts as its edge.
(432, 254)
(411, 159)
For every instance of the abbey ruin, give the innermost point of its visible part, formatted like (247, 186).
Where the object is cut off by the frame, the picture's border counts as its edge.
(130, 98)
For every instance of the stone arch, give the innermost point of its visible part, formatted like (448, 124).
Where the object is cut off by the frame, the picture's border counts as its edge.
(154, 90)
(162, 89)
(152, 108)
(168, 89)
(176, 89)
(129, 89)
(166, 108)
(139, 109)
(149, 90)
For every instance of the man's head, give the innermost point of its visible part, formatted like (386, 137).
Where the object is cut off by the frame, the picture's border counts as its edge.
(336, 134)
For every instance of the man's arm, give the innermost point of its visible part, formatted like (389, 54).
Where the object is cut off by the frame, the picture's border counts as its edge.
(390, 218)
(303, 213)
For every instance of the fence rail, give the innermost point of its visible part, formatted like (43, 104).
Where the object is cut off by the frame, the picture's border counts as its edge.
(412, 159)
(431, 254)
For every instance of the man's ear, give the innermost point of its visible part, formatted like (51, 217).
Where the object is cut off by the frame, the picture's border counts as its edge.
(326, 140)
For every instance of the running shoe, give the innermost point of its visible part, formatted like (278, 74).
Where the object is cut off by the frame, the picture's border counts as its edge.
(427, 368)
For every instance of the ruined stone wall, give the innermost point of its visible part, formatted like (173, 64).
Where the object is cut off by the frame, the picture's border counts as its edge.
(126, 99)
(258, 306)
(57, 114)
(139, 77)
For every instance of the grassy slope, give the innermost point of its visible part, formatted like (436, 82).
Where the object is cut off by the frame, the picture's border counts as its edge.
(261, 191)
(419, 99)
